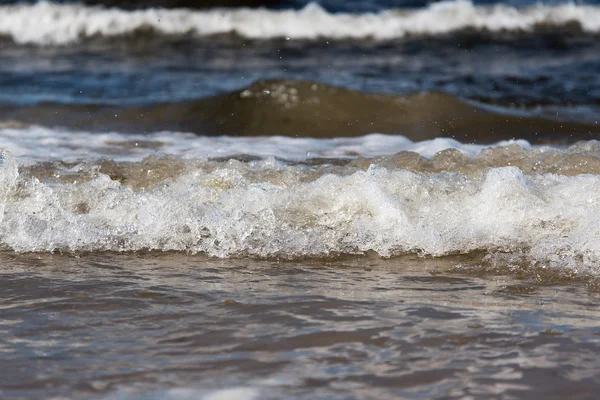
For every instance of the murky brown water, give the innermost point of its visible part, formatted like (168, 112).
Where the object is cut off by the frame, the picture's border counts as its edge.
(180, 327)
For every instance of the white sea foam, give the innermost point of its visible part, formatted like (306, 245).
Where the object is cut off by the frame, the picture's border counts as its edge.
(272, 209)
(48, 23)
(37, 143)
(269, 208)
(8, 178)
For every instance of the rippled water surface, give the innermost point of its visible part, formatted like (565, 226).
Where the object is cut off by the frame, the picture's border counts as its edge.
(107, 326)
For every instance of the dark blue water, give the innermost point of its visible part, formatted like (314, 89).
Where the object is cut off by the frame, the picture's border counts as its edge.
(553, 65)
(540, 71)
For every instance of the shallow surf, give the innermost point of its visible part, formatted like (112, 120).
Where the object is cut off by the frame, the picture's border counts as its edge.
(531, 205)
(381, 199)
(106, 326)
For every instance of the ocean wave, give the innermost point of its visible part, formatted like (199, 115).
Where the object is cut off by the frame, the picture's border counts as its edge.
(310, 109)
(48, 23)
(538, 204)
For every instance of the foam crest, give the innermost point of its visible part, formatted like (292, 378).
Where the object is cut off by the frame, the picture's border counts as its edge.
(270, 208)
(8, 178)
(36, 143)
(48, 23)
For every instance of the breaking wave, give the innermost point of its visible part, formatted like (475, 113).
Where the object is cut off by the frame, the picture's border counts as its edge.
(49, 23)
(537, 205)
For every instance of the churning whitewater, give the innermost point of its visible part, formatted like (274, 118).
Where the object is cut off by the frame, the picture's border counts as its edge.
(532, 204)
(50, 23)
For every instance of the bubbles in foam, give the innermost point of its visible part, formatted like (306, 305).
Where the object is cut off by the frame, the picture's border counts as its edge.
(48, 23)
(8, 178)
(271, 208)
(36, 143)
(376, 193)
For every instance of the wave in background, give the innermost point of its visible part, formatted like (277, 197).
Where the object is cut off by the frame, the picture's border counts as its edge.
(48, 23)
(309, 109)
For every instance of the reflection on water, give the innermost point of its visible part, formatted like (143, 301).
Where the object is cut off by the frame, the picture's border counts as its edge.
(172, 326)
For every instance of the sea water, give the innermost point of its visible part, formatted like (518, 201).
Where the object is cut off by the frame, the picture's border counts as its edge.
(358, 200)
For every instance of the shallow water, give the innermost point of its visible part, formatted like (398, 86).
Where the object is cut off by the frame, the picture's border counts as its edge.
(135, 326)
